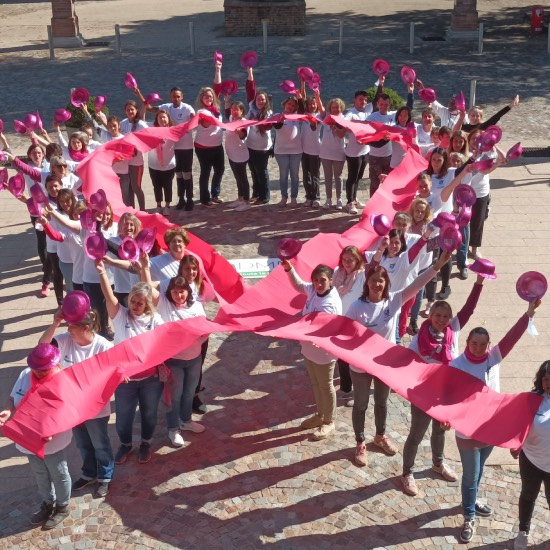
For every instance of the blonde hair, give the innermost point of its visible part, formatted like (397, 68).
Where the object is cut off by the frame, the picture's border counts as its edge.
(143, 290)
(426, 204)
(338, 102)
(199, 104)
(131, 217)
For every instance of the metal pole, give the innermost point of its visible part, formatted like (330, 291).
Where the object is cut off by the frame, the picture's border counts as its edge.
(548, 48)
(411, 38)
(192, 37)
(473, 84)
(264, 32)
(480, 39)
(341, 40)
(117, 40)
(50, 43)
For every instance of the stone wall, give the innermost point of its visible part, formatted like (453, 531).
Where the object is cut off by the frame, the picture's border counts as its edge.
(284, 17)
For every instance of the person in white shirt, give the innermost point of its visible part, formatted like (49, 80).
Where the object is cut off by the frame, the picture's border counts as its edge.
(311, 147)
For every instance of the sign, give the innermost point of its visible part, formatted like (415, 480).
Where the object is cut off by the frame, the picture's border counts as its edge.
(255, 268)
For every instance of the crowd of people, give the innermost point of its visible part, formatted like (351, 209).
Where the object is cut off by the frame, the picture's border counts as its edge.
(382, 288)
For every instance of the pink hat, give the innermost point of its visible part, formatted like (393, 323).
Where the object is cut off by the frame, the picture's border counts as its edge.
(427, 95)
(380, 67)
(485, 164)
(34, 208)
(62, 115)
(496, 131)
(229, 87)
(314, 82)
(38, 120)
(44, 357)
(98, 201)
(464, 195)
(381, 224)
(75, 307)
(218, 56)
(288, 86)
(80, 97)
(515, 152)
(152, 98)
(38, 194)
(30, 121)
(3, 177)
(19, 127)
(460, 101)
(145, 239)
(249, 59)
(450, 238)
(408, 74)
(305, 73)
(288, 248)
(130, 82)
(443, 219)
(484, 267)
(16, 185)
(128, 250)
(87, 220)
(531, 286)
(464, 216)
(99, 102)
(95, 246)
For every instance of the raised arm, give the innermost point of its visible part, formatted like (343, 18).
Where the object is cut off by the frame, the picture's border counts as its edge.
(415, 249)
(23, 167)
(498, 115)
(515, 333)
(110, 299)
(295, 279)
(448, 190)
(73, 225)
(49, 333)
(469, 307)
(423, 279)
(145, 277)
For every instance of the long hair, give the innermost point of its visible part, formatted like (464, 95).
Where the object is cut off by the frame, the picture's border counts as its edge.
(381, 271)
(444, 167)
(180, 283)
(544, 369)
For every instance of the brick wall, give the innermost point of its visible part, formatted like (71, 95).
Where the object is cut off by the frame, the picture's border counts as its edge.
(285, 17)
(64, 20)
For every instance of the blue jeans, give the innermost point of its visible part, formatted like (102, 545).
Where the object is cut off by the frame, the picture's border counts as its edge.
(462, 252)
(67, 270)
(92, 440)
(147, 394)
(52, 477)
(473, 461)
(289, 164)
(184, 380)
(210, 158)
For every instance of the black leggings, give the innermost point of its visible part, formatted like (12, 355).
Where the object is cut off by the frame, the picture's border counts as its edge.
(162, 184)
(531, 480)
(356, 170)
(52, 271)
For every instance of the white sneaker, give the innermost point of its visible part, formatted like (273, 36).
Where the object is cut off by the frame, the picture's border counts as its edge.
(315, 204)
(359, 204)
(293, 202)
(192, 426)
(327, 204)
(339, 204)
(350, 208)
(175, 438)
(282, 202)
(522, 541)
(243, 206)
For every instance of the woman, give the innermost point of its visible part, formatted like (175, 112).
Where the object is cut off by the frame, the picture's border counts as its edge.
(435, 342)
(76, 149)
(81, 342)
(51, 473)
(377, 308)
(475, 117)
(321, 296)
(348, 280)
(459, 143)
(144, 389)
(403, 116)
(311, 147)
(332, 154)
(534, 466)
(166, 266)
(133, 123)
(259, 141)
(176, 304)
(162, 165)
(208, 143)
(482, 361)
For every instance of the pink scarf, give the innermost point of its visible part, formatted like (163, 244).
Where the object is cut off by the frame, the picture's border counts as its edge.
(474, 358)
(343, 282)
(435, 345)
(77, 156)
(213, 109)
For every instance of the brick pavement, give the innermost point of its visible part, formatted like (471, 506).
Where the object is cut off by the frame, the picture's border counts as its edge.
(252, 478)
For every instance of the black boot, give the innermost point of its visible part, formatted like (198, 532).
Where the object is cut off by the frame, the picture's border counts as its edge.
(59, 514)
(181, 194)
(188, 186)
(43, 514)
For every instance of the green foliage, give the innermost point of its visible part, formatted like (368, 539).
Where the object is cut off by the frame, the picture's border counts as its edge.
(396, 100)
(78, 118)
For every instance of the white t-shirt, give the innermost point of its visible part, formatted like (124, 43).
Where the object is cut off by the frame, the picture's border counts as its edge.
(89, 271)
(355, 292)
(127, 326)
(455, 327)
(211, 136)
(353, 147)
(162, 157)
(311, 142)
(288, 138)
(164, 266)
(127, 127)
(120, 167)
(21, 387)
(537, 444)
(258, 140)
(389, 120)
(169, 312)
(332, 146)
(72, 353)
(179, 115)
(235, 147)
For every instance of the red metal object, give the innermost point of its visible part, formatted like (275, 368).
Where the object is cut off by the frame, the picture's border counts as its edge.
(537, 19)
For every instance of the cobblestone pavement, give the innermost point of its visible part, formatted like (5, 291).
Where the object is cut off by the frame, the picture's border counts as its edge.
(253, 478)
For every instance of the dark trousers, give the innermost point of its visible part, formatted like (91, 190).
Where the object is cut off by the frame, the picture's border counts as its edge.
(162, 184)
(479, 215)
(260, 176)
(377, 166)
(54, 273)
(210, 158)
(531, 481)
(184, 167)
(241, 177)
(97, 301)
(41, 249)
(311, 168)
(346, 384)
(356, 170)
